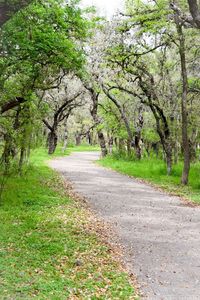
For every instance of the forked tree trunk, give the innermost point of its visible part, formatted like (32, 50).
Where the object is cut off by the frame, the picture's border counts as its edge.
(94, 114)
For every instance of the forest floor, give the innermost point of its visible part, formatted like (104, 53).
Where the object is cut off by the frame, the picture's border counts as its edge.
(51, 245)
(160, 234)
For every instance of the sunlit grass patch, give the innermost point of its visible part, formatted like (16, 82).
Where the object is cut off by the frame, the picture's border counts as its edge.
(154, 171)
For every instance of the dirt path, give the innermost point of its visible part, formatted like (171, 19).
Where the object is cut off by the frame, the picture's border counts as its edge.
(160, 234)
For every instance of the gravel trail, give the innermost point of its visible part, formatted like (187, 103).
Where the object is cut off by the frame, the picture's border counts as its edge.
(160, 234)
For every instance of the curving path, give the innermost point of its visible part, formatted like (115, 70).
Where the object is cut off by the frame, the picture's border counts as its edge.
(160, 234)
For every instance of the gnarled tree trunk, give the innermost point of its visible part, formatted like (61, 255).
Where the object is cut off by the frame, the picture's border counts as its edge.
(102, 142)
(52, 141)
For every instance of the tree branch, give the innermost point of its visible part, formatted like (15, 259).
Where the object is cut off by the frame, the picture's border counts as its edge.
(12, 104)
(47, 125)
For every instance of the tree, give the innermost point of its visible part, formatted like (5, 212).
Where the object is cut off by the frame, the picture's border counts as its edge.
(35, 45)
(40, 41)
(61, 103)
(94, 113)
(145, 35)
(184, 100)
(91, 82)
(122, 115)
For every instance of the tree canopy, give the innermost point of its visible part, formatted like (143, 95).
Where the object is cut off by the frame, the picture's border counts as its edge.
(136, 78)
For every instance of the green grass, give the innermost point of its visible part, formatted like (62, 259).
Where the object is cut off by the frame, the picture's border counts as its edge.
(154, 171)
(49, 246)
(83, 147)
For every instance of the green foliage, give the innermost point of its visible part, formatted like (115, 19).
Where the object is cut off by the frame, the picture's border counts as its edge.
(112, 120)
(194, 84)
(36, 44)
(40, 40)
(150, 135)
(151, 15)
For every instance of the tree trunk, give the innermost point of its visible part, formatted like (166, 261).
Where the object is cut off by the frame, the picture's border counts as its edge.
(138, 150)
(128, 145)
(195, 11)
(78, 139)
(94, 114)
(8, 151)
(52, 141)
(21, 160)
(110, 143)
(65, 139)
(168, 152)
(176, 150)
(102, 142)
(164, 134)
(64, 145)
(185, 139)
(185, 142)
(162, 125)
(139, 126)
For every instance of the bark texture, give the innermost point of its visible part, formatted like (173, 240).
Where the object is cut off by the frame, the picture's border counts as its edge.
(9, 7)
(185, 139)
(52, 141)
(195, 12)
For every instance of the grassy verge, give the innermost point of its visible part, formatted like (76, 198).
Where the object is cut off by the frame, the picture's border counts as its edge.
(47, 247)
(154, 171)
(84, 148)
(70, 149)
